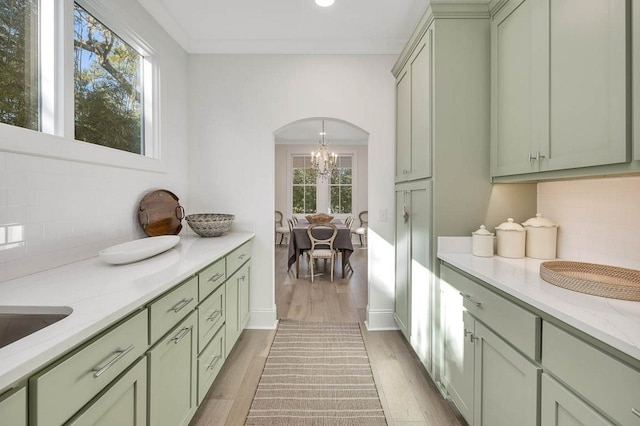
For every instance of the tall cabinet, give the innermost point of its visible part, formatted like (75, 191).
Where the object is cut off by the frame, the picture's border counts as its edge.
(442, 156)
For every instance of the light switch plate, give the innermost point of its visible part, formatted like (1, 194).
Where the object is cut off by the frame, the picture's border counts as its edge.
(383, 215)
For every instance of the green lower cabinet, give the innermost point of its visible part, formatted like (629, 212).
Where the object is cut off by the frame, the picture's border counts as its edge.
(124, 403)
(210, 362)
(13, 407)
(172, 375)
(561, 407)
(237, 305)
(506, 383)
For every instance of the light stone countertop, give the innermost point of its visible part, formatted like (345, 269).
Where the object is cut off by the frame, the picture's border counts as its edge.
(614, 322)
(99, 294)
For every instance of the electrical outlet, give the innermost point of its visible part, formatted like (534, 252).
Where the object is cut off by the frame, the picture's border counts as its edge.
(383, 215)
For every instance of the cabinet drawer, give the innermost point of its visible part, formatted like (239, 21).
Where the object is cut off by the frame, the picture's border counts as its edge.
(13, 407)
(210, 278)
(211, 315)
(169, 309)
(593, 374)
(86, 372)
(209, 363)
(518, 326)
(236, 258)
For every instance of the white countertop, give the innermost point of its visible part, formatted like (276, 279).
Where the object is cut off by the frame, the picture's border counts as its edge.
(615, 322)
(99, 294)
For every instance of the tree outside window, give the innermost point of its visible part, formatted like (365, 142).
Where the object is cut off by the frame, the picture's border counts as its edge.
(19, 87)
(108, 86)
(304, 186)
(340, 187)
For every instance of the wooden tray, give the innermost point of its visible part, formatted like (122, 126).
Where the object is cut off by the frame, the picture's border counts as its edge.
(160, 213)
(592, 278)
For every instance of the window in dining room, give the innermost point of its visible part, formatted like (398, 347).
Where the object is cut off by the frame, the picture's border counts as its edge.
(341, 185)
(304, 186)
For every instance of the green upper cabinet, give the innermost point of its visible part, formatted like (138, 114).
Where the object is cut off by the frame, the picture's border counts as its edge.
(559, 85)
(413, 112)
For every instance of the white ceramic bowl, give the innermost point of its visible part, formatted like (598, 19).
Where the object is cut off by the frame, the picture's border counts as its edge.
(210, 224)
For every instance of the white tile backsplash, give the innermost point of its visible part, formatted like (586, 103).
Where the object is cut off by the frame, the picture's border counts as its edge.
(599, 219)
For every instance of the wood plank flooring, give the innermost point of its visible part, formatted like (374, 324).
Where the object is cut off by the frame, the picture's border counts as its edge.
(407, 394)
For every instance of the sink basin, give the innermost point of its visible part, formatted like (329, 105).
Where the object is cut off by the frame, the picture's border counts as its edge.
(17, 322)
(592, 278)
(136, 250)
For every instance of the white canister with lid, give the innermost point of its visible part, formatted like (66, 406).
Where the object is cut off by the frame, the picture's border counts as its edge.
(510, 238)
(542, 235)
(482, 242)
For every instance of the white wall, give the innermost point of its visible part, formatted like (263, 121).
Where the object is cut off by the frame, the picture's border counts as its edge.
(236, 102)
(283, 172)
(598, 219)
(70, 210)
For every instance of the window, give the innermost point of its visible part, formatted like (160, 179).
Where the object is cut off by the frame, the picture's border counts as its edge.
(304, 185)
(19, 86)
(340, 187)
(334, 195)
(108, 96)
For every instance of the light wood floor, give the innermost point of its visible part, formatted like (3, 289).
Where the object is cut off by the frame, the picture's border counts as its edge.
(407, 395)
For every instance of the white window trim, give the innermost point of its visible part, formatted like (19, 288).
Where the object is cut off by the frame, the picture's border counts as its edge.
(55, 140)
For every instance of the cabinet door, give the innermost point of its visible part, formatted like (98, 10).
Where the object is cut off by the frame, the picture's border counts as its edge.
(421, 109)
(172, 376)
(124, 403)
(517, 117)
(458, 350)
(561, 407)
(402, 289)
(232, 321)
(403, 124)
(13, 407)
(244, 286)
(587, 84)
(506, 383)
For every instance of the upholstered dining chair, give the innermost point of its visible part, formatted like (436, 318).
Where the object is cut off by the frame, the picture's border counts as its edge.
(321, 248)
(361, 231)
(280, 228)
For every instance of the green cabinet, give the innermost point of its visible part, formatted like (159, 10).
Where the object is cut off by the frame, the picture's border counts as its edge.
(124, 403)
(13, 407)
(413, 299)
(559, 85)
(237, 305)
(413, 112)
(561, 407)
(172, 375)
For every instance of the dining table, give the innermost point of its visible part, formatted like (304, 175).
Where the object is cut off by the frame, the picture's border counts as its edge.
(299, 242)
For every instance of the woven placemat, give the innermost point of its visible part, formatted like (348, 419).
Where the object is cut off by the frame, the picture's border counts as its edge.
(591, 278)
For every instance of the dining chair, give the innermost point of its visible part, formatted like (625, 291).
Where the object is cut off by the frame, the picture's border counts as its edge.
(321, 248)
(361, 231)
(280, 228)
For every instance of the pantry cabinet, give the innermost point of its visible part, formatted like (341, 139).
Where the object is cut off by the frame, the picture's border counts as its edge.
(560, 87)
(13, 407)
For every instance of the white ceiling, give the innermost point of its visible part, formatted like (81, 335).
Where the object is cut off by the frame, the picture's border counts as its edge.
(307, 132)
(288, 26)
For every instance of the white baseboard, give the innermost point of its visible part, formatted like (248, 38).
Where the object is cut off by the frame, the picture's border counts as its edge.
(380, 320)
(263, 320)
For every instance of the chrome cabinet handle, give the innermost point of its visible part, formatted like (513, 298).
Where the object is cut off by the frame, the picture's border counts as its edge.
(181, 304)
(216, 277)
(472, 338)
(181, 334)
(536, 157)
(242, 256)
(97, 371)
(214, 362)
(242, 278)
(470, 299)
(217, 313)
(636, 412)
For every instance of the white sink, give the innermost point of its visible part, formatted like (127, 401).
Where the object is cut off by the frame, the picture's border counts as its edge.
(135, 250)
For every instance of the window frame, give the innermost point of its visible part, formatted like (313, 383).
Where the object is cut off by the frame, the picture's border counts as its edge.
(55, 139)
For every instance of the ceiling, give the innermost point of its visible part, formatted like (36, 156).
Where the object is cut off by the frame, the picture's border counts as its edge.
(307, 131)
(288, 26)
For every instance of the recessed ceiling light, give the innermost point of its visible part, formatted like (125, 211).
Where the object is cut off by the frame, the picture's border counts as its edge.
(324, 3)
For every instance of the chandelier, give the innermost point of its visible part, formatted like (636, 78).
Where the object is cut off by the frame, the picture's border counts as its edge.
(323, 164)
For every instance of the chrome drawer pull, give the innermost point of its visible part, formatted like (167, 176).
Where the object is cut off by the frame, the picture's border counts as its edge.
(216, 277)
(242, 256)
(181, 334)
(470, 299)
(636, 412)
(217, 313)
(181, 304)
(214, 362)
(243, 277)
(97, 372)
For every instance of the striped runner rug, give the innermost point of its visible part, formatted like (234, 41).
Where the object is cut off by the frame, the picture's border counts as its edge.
(317, 374)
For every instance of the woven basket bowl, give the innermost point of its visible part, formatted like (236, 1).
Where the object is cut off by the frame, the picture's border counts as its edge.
(210, 224)
(319, 218)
